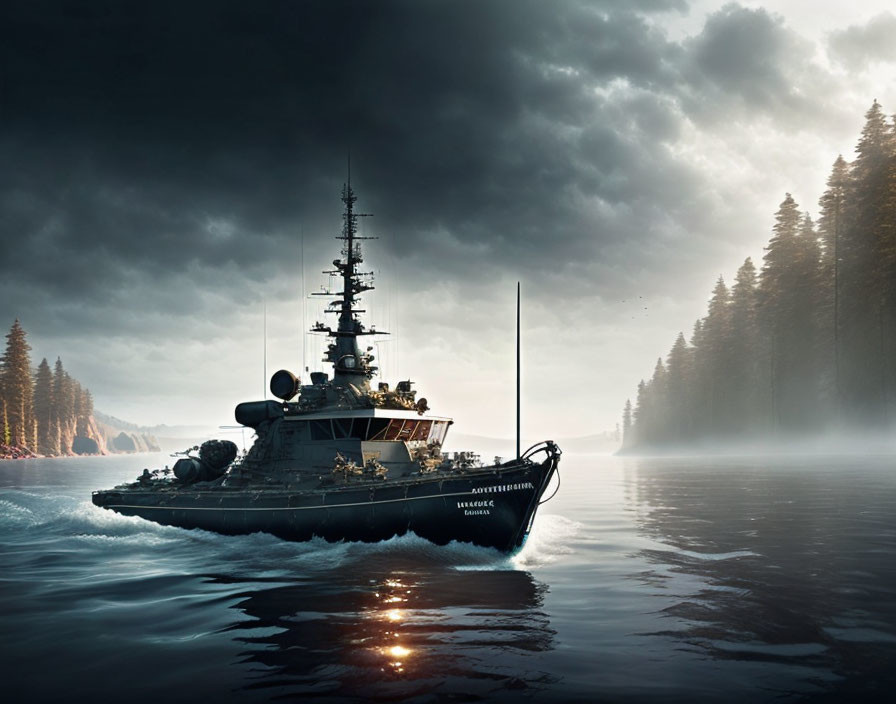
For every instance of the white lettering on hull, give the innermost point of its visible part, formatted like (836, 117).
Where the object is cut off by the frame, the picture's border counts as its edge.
(500, 488)
(476, 504)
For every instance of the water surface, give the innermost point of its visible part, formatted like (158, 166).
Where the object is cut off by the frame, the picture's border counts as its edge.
(644, 579)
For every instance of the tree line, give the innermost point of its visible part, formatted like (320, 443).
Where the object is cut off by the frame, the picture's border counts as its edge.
(808, 342)
(42, 411)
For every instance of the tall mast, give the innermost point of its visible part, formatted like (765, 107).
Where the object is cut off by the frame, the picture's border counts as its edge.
(350, 364)
(264, 348)
(517, 369)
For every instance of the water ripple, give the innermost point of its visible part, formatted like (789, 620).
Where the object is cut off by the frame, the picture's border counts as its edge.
(644, 580)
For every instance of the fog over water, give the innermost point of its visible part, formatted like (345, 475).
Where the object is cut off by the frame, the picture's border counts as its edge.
(736, 579)
(829, 445)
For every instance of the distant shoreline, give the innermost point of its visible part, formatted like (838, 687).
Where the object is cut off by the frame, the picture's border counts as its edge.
(6, 456)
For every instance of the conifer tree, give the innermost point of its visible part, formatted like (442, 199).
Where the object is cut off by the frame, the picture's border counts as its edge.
(698, 392)
(887, 249)
(67, 402)
(697, 333)
(776, 283)
(678, 388)
(78, 416)
(47, 440)
(659, 405)
(60, 420)
(85, 411)
(831, 226)
(641, 416)
(865, 268)
(627, 424)
(88, 403)
(780, 253)
(747, 350)
(715, 359)
(808, 294)
(17, 389)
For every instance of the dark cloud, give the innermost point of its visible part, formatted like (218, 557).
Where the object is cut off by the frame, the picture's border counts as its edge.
(859, 46)
(159, 160)
(130, 127)
(746, 61)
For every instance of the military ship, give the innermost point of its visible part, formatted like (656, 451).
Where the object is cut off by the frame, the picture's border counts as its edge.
(342, 460)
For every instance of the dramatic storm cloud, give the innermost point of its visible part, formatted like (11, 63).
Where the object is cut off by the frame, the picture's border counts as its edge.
(162, 163)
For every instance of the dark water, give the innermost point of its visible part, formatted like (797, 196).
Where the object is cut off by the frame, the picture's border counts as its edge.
(644, 580)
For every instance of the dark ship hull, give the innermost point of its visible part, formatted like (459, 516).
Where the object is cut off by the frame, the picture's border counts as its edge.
(490, 507)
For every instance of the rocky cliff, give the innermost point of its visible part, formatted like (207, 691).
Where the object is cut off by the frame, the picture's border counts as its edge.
(119, 439)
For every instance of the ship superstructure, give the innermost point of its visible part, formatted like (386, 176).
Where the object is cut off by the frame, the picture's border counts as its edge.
(379, 430)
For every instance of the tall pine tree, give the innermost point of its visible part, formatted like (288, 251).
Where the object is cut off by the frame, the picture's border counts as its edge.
(831, 226)
(746, 352)
(47, 439)
(627, 425)
(864, 267)
(659, 405)
(61, 421)
(714, 359)
(641, 415)
(17, 389)
(778, 312)
(679, 383)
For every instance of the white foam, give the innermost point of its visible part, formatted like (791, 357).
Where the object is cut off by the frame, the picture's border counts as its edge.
(550, 537)
(13, 514)
(261, 553)
(85, 518)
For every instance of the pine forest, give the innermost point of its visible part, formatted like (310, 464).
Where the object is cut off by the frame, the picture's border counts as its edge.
(803, 343)
(45, 411)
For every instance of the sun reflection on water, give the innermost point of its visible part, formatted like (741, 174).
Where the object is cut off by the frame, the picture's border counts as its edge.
(395, 653)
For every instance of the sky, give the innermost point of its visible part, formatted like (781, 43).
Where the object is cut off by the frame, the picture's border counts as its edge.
(170, 179)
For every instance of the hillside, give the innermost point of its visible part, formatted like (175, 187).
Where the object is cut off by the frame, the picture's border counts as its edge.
(121, 436)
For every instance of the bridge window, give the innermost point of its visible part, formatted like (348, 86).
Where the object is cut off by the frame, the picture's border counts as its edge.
(378, 428)
(421, 432)
(438, 431)
(321, 430)
(396, 429)
(359, 428)
(342, 427)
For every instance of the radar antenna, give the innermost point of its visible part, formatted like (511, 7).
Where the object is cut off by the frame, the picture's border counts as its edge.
(350, 364)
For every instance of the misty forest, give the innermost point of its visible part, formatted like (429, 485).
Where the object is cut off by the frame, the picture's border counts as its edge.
(806, 343)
